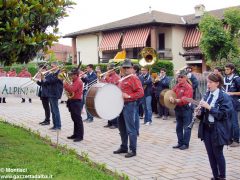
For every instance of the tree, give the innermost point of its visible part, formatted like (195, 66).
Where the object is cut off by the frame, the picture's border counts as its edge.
(28, 26)
(218, 40)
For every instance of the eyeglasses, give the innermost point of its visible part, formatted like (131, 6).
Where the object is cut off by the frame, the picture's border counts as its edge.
(126, 67)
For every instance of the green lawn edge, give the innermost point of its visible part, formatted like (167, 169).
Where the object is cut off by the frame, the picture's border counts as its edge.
(25, 149)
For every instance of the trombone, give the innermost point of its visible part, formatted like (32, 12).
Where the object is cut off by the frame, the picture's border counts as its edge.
(33, 79)
(103, 74)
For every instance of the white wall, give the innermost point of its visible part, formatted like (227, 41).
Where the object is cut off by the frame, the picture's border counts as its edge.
(178, 33)
(88, 48)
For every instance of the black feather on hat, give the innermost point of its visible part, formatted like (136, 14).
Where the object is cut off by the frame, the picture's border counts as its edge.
(74, 71)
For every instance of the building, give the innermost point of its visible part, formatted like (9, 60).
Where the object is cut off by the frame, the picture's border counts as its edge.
(61, 52)
(174, 37)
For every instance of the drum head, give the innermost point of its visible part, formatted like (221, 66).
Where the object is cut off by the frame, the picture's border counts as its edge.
(164, 98)
(108, 101)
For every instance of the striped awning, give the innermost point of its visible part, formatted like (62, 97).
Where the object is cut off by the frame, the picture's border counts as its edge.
(135, 38)
(192, 38)
(110, 41)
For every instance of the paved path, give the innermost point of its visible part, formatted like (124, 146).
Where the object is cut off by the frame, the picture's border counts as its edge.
(155, 157)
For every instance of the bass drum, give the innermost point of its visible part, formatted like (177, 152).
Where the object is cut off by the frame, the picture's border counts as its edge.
(104, 100)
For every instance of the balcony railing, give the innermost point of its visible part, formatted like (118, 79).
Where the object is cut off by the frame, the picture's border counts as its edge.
(165, 54)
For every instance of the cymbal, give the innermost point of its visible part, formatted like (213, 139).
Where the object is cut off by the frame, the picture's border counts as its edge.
(164, 98)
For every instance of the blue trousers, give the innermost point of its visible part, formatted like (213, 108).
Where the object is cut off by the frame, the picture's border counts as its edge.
(148, 109)
(183, 118)
(215, 153)
(55, 112)
(89, 116)
(235, 126)
(127, 127)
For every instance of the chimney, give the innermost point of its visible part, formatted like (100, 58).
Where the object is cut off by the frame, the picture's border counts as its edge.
(199, 10)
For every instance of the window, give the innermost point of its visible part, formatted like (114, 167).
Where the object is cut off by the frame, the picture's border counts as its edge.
(161, 41)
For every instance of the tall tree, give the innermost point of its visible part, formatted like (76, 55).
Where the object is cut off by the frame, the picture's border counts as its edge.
(220, 37)
(28, 26)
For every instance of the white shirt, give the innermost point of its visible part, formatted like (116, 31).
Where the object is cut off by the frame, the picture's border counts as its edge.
(212, 104)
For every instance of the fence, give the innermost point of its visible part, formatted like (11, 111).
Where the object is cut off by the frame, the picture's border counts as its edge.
(202, 84)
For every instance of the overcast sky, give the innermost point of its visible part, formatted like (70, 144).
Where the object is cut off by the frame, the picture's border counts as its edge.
(90, 13)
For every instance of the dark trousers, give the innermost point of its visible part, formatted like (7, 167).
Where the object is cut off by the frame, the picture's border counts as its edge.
(46, 107)
(23, 100)
(74, 107)
(162, 110)
(2, 100)
(154, 104)
(183, 119)
(215, 153)
(235, 126)
(127, 127)
(113, 122)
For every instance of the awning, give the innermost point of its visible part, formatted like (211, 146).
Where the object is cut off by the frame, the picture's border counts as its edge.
(110, 41)
(135, 38)
(192, 38)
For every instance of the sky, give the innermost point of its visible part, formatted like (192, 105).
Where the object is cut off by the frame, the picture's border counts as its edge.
(90, 13)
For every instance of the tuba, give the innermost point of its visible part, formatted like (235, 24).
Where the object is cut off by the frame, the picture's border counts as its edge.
(149, 56)
(64, 77)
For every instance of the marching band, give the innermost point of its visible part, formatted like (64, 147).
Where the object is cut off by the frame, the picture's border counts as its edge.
(86, 88)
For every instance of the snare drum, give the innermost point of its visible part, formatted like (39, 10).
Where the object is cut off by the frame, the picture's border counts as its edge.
(104, 100)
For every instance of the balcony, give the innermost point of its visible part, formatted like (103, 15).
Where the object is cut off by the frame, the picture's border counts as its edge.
(165, 54)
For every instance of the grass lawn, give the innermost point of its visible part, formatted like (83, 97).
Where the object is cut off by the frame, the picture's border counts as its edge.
(25, 150)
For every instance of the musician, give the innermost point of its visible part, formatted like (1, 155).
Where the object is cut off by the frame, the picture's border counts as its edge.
(43, 94)
(193, 80)
(232, 87)
(74, 104)
(218, 70)
(55, 89)
(12, 73)
(25, 74)
(132, 91)
(183, 110)
(2, 74)
(161, 82)
(89, 79)
(113, 78)
(215, 124)
(98, 71)
(147, 85)
(140, 101)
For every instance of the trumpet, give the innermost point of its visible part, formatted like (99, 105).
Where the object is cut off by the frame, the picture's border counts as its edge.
(81, 75)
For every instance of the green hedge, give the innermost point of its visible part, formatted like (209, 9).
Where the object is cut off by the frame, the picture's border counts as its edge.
(168, 65)
(33, 67)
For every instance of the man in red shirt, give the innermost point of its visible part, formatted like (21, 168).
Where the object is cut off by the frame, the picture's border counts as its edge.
(25, 74)
(2, 74)
(183, 110)
(75, 90)
(113, 78)
(132, 90)
(12, 73)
